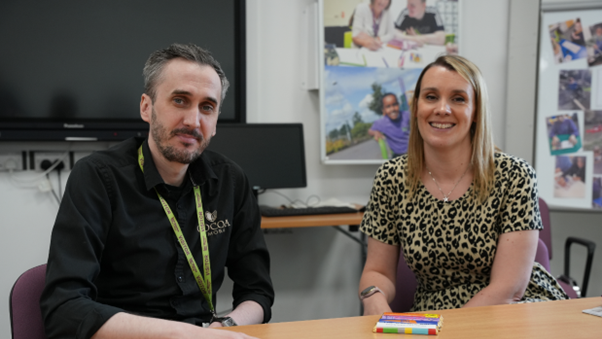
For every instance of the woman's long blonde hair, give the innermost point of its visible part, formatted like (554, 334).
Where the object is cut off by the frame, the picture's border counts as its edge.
(481, 136)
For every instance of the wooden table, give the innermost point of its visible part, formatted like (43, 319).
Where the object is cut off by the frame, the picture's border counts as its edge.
(545, 320)
(312, 220)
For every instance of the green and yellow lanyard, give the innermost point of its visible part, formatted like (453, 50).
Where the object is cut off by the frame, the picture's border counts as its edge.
(204, 284)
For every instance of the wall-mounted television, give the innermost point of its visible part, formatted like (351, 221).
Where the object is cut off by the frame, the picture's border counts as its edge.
(72, 70)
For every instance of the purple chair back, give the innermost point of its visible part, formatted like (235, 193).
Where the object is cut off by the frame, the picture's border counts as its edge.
(546, 233)
(405, 286)
(25, 314)
(542, 256)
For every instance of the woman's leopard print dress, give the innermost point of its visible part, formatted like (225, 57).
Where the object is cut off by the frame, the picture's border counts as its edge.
(451, 245)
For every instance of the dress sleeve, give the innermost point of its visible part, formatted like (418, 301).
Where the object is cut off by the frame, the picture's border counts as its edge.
(520, 208)
(248, 258)
(78, 238)
(380, 220)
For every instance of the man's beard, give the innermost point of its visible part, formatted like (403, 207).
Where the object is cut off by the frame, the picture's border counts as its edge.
(161, 136)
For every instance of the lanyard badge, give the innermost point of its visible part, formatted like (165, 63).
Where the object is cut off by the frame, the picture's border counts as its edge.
(204, 283)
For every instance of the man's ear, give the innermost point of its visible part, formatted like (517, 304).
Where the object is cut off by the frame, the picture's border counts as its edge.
(146, 107)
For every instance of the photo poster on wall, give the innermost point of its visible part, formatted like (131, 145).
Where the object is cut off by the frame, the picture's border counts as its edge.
(374, 52)
(569, 109)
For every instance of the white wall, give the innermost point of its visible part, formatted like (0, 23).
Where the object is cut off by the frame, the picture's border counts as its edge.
(315, 271)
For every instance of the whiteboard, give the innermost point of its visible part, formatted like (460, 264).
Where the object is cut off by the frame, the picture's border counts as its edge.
(568, 151)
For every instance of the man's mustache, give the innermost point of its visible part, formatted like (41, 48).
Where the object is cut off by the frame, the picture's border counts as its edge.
(192, 132)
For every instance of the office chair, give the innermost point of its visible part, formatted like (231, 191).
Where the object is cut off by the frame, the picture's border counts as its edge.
(569, 284)
(25, 314)
(405, 286)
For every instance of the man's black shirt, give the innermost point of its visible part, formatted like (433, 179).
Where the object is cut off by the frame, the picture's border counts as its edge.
(114, 250)
(431, 22)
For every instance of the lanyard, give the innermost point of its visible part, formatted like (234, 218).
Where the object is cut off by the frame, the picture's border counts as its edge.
(204, 284)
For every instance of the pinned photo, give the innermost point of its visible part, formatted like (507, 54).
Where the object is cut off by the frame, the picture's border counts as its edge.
(563, 133)
(592, 138)
(569, 177)
(597, 193)
(568, 40)
(367, 112)
(594, 45)
(574, 89)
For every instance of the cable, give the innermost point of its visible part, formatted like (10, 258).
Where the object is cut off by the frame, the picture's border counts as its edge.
(305, 203)
(33, 182)
(58, 172)
(58, 200)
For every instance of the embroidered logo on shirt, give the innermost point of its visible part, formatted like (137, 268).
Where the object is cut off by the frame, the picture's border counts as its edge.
(211, 216)
(214, 226)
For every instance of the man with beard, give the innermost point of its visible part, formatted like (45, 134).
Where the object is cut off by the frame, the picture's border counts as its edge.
(146, 229)
(393, 126)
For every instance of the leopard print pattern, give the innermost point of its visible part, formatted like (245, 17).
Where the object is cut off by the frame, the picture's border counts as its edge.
(451, 246)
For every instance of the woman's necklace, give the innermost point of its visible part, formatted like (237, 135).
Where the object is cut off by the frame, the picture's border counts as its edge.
(446, 196)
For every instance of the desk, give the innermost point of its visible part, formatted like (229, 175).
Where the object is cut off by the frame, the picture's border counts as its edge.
(319, 220)
(553, 319)
(351, 219)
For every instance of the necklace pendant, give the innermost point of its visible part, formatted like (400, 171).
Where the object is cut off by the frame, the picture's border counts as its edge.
(444, 199)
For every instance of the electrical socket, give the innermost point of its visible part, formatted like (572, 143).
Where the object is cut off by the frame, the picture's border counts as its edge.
(39, 156)
(11, 161)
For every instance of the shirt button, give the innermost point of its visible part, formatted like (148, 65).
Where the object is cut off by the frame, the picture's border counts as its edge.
(180, 278)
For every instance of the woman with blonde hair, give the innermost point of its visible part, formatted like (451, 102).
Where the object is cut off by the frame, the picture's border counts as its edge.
(465, 214)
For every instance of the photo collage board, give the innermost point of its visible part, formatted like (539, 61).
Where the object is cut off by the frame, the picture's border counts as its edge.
(569, 109)
(374, 52)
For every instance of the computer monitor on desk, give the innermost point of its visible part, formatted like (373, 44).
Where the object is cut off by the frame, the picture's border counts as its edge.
(272, 155)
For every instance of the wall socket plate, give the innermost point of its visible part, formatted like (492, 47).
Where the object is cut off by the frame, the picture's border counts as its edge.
(11, 161)
(38, 156)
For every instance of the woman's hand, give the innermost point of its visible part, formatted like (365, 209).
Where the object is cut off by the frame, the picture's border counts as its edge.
(380, 270)
(376, 304)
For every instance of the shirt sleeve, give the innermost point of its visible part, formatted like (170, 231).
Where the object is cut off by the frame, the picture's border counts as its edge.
(573, 127)
(387, 28)
(438, 21)
(553, 130)
(520, 208)
(400, 23)
(362, 20)
(68, 301)
(379, 220)
(248, 258)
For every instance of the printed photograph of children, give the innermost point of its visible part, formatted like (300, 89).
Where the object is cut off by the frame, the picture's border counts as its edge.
(389, 33)
(563, 133)
(574, 89)
(568, 40)
(367, 112)
(569, 177)
(594, 45)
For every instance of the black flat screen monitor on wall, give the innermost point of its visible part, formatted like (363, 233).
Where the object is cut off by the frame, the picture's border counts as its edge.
(72, 70)
(272, 155)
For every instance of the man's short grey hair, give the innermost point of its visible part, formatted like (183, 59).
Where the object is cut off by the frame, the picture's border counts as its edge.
(158, 59)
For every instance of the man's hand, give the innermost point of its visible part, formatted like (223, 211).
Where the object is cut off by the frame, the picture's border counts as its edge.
(222, 334)
(215, 324)
(128, 326)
